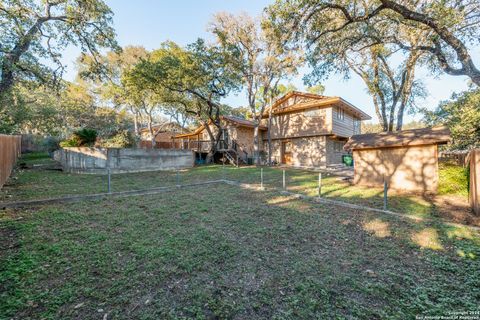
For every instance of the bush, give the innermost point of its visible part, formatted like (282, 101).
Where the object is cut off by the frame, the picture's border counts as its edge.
(123, 139)
(50, 144)
(80, 138)
(86, 136)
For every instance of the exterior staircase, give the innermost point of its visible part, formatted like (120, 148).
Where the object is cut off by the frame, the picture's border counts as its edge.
(234, 154)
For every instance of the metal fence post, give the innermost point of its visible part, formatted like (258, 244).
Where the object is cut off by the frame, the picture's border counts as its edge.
(385, 188)
(261, 178)
(109, 181)
(319, 184)
(284, 184)
(223, 169)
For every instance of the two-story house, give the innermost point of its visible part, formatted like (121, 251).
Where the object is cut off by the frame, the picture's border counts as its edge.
(309, 130)
(299, 129)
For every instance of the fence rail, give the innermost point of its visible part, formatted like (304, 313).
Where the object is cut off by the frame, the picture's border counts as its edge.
(10, 149)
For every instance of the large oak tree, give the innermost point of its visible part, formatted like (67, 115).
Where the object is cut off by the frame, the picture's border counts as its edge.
(34, 33)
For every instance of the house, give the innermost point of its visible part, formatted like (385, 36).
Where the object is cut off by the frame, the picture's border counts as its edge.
(309, 130)
(406, 160)
(163, 135)
(299, 129)
(236, 140)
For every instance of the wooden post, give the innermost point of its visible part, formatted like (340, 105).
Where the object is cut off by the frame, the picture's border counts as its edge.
(284, 182)
(319, 184)
(474, 190)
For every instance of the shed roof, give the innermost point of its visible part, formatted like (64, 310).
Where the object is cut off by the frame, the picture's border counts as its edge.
(412, 137)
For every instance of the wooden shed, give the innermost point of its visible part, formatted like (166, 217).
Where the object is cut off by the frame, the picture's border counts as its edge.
(407, 159)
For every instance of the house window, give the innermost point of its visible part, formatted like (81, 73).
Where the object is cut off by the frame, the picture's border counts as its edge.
(340, 114)
(356, 126)
(337, 146)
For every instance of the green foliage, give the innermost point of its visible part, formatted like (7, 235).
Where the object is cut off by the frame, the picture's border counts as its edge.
(81, 138)
(462, 116)
(453, 179)
(123, 139)
(33, 35)
(86, 136)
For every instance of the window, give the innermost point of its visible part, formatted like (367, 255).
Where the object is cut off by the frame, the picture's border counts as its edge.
(356, 126)
(337, 146)
(340, 114)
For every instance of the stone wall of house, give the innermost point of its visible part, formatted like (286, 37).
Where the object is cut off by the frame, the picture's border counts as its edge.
(98, 160)
(307, 152)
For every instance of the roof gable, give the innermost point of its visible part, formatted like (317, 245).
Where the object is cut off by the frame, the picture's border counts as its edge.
(296, 101)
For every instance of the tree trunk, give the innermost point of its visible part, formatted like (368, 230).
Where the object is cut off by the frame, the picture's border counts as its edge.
(269, 137)
(135, 124)
(150, 129)
(256, 149)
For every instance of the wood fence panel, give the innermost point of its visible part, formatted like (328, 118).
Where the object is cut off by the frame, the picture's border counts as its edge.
(10, 149)
(475, 180)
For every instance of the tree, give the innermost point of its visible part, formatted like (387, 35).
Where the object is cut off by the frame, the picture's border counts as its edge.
(34, 31)
(110, 83)
(194, 78)
(448, 26)
(254, 55)
(462, 116)
(336, 44)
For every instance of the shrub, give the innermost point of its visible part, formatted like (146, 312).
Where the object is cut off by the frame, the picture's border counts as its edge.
(123, 139)
(80, 138)
(86, 136)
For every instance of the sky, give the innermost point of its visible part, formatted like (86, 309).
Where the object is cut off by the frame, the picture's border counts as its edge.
(150, 22)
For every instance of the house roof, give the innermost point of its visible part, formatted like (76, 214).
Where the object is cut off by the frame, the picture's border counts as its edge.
(242, 122)
(412, 137)
(316, 101)
(235, 120)
(165, 127)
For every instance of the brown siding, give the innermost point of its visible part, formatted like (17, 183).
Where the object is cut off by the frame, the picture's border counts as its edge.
(345, 127)
(475, 180)
(298, 124)
(406, 168)
(10, 147)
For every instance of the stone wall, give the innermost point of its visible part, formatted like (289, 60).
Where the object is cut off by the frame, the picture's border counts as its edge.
(98, 160)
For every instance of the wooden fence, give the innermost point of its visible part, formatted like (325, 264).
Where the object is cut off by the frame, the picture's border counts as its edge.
(10, 149)
(458, 157)
(475, 180)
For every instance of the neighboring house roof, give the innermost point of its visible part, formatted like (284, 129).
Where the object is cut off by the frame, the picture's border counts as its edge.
(164, 127)
(314, 100)
(235, 120)
(242, 122)
(412, 137)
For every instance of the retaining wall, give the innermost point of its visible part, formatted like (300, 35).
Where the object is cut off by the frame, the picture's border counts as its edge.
(98, 160)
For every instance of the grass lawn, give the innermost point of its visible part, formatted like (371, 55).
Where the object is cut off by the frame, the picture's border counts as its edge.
(39, 182)
(225, 252)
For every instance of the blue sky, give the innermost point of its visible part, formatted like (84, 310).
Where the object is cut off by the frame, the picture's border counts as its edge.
(149, 23)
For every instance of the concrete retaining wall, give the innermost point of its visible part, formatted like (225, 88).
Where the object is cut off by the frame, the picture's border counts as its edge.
(98, 160)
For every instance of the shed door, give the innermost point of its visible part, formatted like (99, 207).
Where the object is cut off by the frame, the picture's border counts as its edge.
(286, 152)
